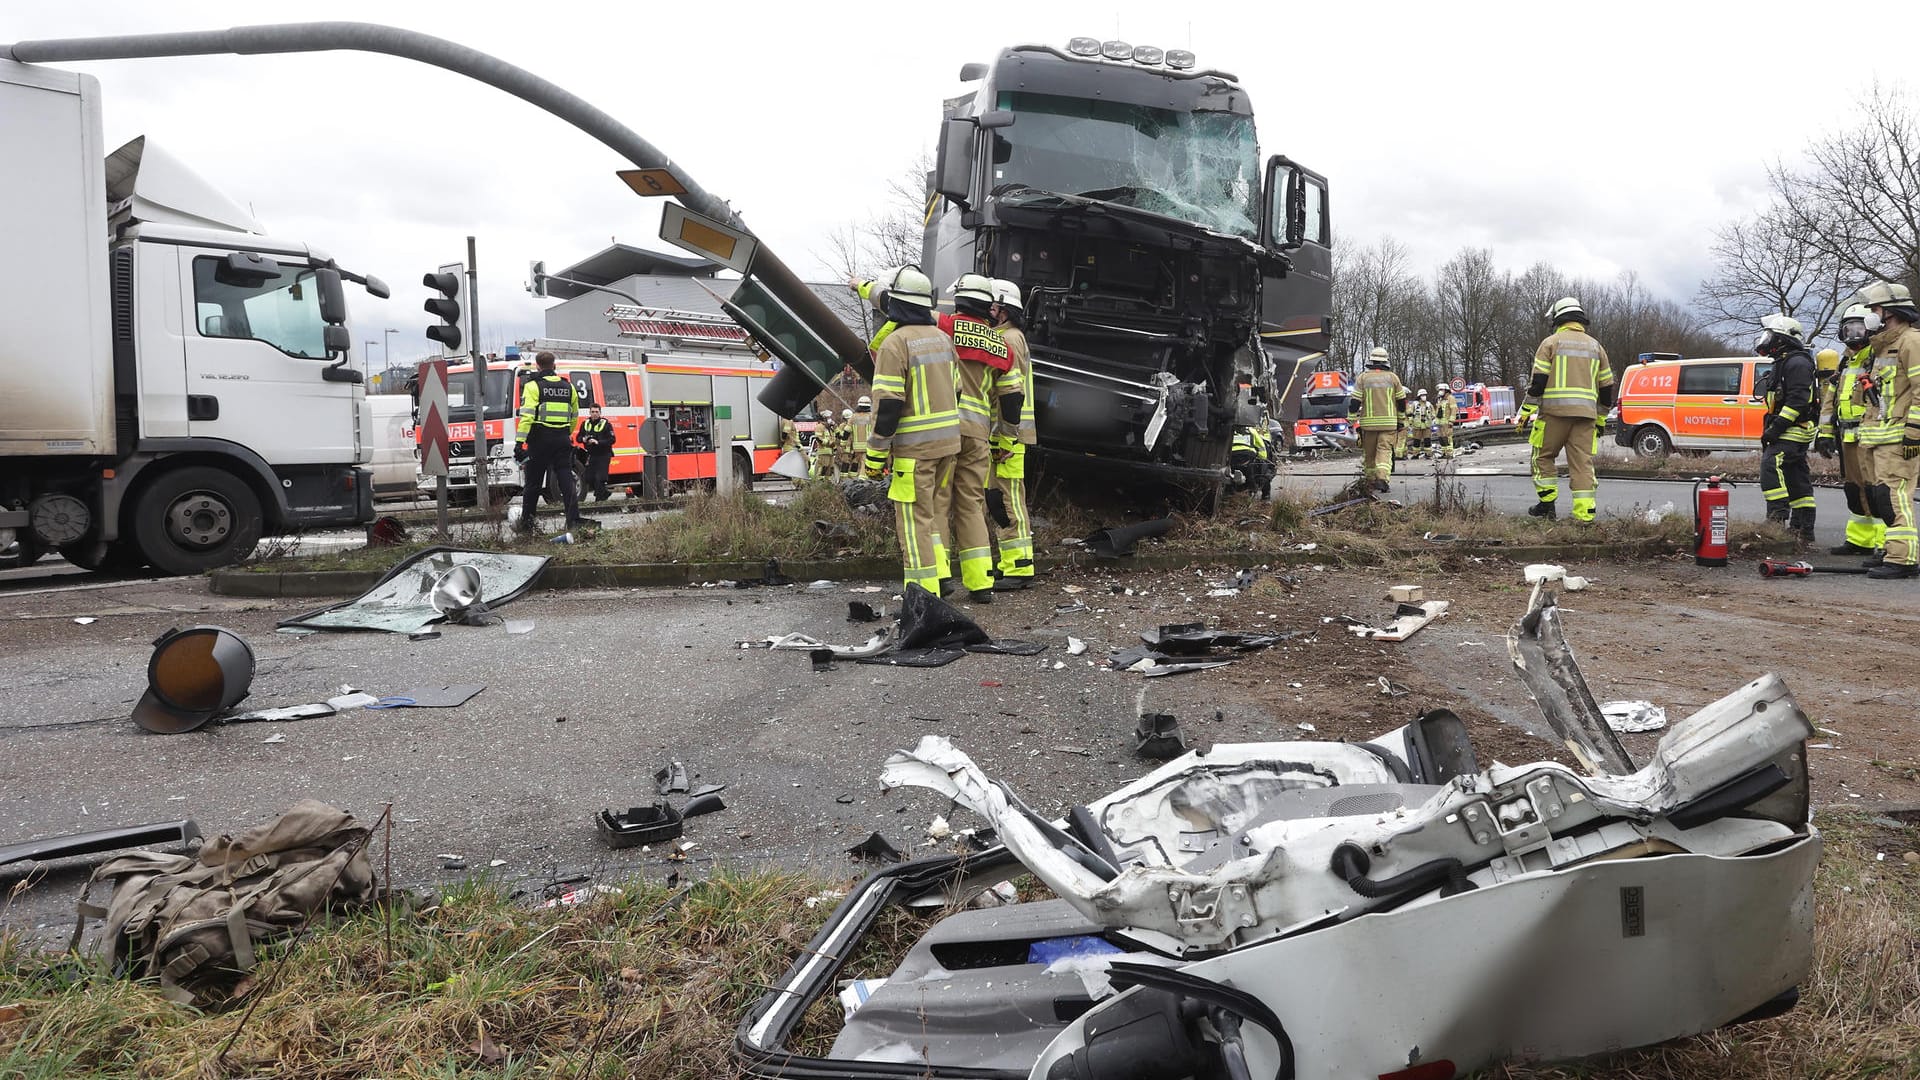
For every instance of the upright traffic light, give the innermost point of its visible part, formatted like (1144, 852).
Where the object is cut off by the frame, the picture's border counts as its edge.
(537, 279)
(450, 281)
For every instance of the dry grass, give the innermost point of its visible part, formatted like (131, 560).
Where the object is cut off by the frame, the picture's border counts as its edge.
(661, 984)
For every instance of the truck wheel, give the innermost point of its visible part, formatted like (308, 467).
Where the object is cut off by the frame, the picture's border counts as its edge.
(1651, 442)
(194, 519)
(743, 468)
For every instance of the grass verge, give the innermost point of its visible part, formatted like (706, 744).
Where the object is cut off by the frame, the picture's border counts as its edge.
(659, 977)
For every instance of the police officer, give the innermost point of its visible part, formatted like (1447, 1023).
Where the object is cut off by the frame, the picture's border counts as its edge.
(1853, 395)
(981, 356)
(1784, 477)
(916, 422)
(1896, 438)
(1570, 393)
(1378, 404)
(1013, 433)
(549, 405)
(1446, 414)
(597, 438)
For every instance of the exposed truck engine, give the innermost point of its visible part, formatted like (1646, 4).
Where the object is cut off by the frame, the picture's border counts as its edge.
(1174, 288)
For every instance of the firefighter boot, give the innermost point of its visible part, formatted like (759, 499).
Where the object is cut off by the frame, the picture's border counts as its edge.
(1777, 510)
(1801, 521)
(1887, 571)
(1543, 509)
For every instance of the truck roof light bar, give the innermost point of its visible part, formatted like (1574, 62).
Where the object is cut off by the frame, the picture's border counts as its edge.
(1084, 46)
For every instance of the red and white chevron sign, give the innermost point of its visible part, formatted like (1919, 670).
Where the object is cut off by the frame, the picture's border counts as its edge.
(434, 448)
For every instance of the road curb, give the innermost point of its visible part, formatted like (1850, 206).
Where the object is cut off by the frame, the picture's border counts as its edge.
(268, 584)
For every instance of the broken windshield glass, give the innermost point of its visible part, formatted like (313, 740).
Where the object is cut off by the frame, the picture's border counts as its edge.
(1200, 167)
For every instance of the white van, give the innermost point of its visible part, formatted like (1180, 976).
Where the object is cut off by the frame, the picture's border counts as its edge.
(393, 447)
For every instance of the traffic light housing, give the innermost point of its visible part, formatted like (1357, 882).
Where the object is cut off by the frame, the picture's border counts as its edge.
(450, 283)
(537, 279)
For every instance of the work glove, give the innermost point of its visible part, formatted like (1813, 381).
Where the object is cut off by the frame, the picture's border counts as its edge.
(1824, 446)
(876, 465)
(1910, 445)
(1600, 424)
(520, 452)
(1776, 426)
(1004, 446)
(1523, 418)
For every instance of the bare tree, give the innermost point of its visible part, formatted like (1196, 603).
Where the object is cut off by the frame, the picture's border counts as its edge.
(1765, 266)
(1856, 199)
(1469, 290)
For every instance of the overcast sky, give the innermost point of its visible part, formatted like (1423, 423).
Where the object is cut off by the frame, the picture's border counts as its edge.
(1598, 136)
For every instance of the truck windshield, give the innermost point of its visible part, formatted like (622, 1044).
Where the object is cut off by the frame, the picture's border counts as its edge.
(1200, 167)
(1320, 408)
(281, 309)
(460, 395)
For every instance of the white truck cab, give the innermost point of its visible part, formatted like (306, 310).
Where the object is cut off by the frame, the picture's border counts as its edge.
(174, 383)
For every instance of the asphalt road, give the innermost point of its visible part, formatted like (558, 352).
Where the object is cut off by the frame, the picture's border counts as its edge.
(1499, 475)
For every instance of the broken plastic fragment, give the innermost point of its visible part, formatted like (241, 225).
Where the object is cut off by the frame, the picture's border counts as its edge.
(670, 778)
(1075, 646)
(1632, 716)
(876, 849)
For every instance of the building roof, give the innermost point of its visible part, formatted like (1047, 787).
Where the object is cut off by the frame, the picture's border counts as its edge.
(617, 261)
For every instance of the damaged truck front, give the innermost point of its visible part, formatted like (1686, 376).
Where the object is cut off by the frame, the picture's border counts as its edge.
(1319, 910)
(1174, 288)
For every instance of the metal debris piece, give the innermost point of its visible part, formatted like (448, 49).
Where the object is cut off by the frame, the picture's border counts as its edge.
(1409, 619)
(99, 840)
(402, 600)
(1636, 716)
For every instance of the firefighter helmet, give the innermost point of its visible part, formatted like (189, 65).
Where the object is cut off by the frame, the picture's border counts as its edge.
(1826, 360)
(1007, 294)
(1443, 389)
(1566, 309)
(864, 403)
(907, 285)
(1377, 358)
(973, 287)
(846, 414)
(1777, 332)
(1423, 391)
(1853, 326)
(1890, 296)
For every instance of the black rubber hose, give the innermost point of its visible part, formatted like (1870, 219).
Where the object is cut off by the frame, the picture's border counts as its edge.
(1350, 864)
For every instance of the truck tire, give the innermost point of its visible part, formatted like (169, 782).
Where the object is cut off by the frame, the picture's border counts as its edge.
(743, 468)
(191, 520)
(1649, 441)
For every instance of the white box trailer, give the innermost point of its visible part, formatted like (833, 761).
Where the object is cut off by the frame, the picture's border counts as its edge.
(174, 383)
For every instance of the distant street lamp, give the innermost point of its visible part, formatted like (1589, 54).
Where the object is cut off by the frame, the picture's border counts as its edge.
(388, 339)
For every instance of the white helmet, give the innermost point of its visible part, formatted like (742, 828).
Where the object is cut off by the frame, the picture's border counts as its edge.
(973, 287)
(1377, 358)
(1007, 294)
(1784, 325)
(1886, 294)
(865, 402)
(846, 414)
(1423, 391)
(907, 285)
(1443, 389)
(1566, 309)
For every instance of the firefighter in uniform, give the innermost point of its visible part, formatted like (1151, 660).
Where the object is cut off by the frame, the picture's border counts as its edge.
(1446, 413)
(860, 431)
(826, 448)
(1377, 404)
(916, 422)
(981, 356)
(1896, 439)
(1420, 417)
(1784, 477)
(1566, 407)
(597, 438)
(844, 461)
(1013, 433)
(549, 405)
(1852, 396)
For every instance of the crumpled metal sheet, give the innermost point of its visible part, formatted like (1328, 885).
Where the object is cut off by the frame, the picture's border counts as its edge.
(402, 601)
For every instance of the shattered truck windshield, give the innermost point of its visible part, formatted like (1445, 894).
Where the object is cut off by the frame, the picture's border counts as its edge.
(1201, 167)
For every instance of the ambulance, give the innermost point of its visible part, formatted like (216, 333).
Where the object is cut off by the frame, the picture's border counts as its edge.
(1695, 404)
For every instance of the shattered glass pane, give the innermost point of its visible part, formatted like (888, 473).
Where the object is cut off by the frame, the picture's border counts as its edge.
(1199, 167)
(403, 603)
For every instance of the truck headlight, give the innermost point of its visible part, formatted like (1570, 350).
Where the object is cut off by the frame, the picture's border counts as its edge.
(497, 449)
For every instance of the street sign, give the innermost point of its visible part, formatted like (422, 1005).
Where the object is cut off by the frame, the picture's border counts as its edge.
(724, 244)
(434, 447)
(1458, 383)
(650, 182)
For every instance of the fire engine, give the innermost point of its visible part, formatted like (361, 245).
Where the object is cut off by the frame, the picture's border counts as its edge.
(1323, 410)
(1484, 406)
(687, 375)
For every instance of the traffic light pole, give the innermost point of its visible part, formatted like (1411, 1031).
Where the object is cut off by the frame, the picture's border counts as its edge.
(779, 279)
(482, 501)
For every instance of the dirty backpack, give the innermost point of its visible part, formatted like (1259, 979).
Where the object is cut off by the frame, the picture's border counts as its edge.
(194, 921)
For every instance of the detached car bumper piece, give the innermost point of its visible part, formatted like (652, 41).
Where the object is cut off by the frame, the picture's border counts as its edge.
(1320, 910)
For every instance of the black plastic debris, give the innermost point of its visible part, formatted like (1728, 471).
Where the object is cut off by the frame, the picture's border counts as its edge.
(93, 843)
(638, 825)
(703, 804)
(822, 659)
(1190, 639)
(928, 622)
(843, 800)
(671, 778)
(1008, 647)
(875, 849)
(774, 576)
(1113, 543)
(918, 658)
(833, 530)
(861, 611)
(1158, 736)
(707, 789)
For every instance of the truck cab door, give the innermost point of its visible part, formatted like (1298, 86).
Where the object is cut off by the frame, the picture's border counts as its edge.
(1296, 310)
(255, 357)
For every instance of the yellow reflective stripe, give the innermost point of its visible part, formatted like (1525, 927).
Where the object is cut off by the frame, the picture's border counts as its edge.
(895, 383)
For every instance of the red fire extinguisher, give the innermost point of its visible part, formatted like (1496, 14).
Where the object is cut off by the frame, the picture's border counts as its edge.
(1710, 522)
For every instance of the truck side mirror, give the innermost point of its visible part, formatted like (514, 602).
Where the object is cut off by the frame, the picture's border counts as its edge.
(998, 118)
(377, 288)
(953, 171)
(333, 297)
(972, 72)
(337, 339)
(247, 268)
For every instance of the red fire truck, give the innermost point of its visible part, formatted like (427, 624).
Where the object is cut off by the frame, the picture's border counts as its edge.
(663, 396)
(1484, 406)
(1323, 411)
